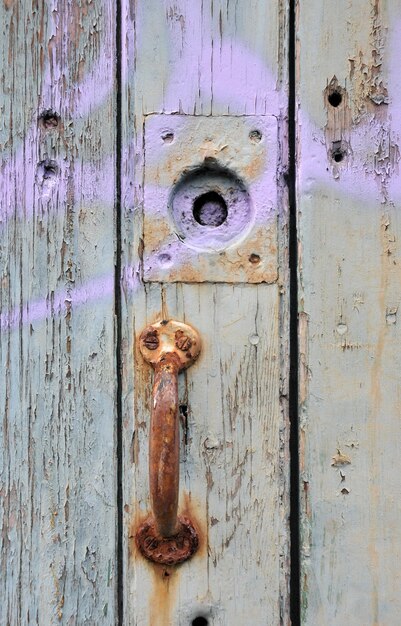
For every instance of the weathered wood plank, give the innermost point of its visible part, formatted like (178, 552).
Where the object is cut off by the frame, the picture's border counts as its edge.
(57, 390)
(348, 194)
(209, 58)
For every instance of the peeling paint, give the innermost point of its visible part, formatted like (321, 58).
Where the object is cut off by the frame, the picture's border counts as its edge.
(340, 459)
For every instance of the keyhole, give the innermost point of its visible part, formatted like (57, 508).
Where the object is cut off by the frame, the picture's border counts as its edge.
(210, 209)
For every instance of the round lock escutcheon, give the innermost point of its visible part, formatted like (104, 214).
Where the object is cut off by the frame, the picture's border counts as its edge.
(210, 208)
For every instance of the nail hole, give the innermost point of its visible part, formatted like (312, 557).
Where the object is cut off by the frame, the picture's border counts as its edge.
(254, 259)
(255, 136)
(337, 153)
(338, 156)
(200, 621)
(165, 260)
(48, 168)
(168, 136)
(49, 119)
(335, 98)
(210, 209)
(46, 176)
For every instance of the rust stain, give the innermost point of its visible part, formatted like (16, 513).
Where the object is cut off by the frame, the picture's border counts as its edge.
(261, 244)
(162, 598)
(156, 229)
(196, 512)
(165, 579)
(255, 167)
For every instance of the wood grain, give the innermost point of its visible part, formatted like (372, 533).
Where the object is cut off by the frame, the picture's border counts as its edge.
(350, 292)
(57, 390)
(208, 58)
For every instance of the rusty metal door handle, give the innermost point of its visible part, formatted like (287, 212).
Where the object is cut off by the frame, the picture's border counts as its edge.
(165, 537)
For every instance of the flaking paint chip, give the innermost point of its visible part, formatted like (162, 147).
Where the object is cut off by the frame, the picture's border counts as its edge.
(340, 459)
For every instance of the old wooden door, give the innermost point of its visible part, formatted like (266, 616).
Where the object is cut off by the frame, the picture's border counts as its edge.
(105, 107)
(232, 166)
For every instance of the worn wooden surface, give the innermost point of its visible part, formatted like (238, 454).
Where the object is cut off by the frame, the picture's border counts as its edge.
(57, 389)
(208, 58)
(350, 294)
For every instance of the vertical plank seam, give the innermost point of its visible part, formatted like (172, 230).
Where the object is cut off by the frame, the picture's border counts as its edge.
(295, 595)
(118, 316)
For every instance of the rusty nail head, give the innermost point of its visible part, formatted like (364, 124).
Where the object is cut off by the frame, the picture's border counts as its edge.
(182, 341)
(169, 336)
(151, 340)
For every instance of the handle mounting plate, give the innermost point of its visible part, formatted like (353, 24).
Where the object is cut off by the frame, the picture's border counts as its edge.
(169, 336)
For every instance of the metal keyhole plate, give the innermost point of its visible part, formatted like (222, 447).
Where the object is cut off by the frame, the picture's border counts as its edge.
(234, 158)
